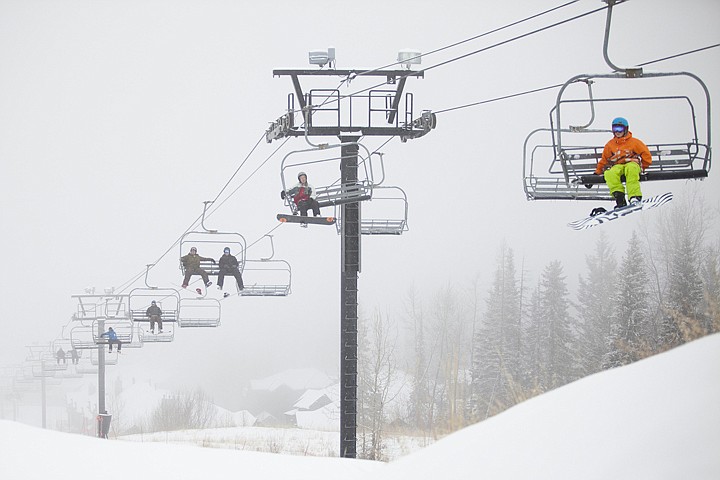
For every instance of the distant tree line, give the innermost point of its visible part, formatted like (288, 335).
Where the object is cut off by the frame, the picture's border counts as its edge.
(469, 356)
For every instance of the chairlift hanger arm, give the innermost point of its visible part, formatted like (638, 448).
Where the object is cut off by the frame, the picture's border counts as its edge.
(635, 71)
(202, 222)
(147, 272)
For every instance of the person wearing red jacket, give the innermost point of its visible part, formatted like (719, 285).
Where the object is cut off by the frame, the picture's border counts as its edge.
(623, 155)
(303, 194)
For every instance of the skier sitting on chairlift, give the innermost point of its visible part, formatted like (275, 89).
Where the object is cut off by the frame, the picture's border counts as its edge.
(626, 156)
(303, 194)
(191, 262)
(112, 338)
(155, 315)
(229, 265)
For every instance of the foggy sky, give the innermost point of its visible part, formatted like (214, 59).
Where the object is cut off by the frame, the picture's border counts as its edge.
(118, 119)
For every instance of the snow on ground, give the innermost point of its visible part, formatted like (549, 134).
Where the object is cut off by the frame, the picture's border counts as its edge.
(291, 441)
(656, 419)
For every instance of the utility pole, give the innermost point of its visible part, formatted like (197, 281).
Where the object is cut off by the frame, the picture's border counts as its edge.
(43, 392)
(101, 368)
(383, 100)
(93, 308)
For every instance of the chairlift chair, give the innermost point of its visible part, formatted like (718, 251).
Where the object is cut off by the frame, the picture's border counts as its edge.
(572, 168)
(385, 214)
(564, 167)
(321, 164)
(110, 358)
(167, 299)
(266, 278)
(210, 244)
(199, 312)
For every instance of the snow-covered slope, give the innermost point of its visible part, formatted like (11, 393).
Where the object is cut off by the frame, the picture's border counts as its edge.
(655, 419)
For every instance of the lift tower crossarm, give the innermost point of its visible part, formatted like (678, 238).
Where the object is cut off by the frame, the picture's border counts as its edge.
(284, 126)
(390, 74)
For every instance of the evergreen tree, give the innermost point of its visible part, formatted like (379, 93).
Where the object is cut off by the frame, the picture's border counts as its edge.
(682, 239)
(472, 407)
(530, 359)
(596, 305)
(496, 347)
(710, 271)
(450, 354)
(553, 361)
(631, 332)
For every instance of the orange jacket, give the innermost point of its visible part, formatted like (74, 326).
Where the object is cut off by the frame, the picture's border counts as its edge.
(623, 150)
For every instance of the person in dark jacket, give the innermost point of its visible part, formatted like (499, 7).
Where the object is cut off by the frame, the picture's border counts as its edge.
(191, 262)
(155, 315)
(229, 266)
(112, 338)
(74, 356)
(60, 355)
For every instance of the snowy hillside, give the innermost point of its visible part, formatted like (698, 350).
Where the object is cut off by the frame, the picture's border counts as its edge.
(655, 419)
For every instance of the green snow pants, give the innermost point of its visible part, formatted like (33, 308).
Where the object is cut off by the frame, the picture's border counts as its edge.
(631, 170)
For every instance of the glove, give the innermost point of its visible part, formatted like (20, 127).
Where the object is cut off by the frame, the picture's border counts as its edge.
(282, 194)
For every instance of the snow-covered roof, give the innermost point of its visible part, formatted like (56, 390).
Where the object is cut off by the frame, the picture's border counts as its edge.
(326, 418)
(310, 397)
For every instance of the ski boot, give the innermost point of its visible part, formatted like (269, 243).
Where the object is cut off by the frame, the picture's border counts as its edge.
(619, 200)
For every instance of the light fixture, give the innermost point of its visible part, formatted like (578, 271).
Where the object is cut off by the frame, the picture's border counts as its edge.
(322, 57)
(409, 56)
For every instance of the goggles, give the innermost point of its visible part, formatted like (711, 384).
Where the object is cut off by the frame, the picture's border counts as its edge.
(618, 128)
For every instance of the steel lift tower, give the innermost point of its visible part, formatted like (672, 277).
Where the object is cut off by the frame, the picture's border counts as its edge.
(387, 102)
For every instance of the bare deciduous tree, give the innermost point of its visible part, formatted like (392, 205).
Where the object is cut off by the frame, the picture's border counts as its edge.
(182, 410)
(378, 371)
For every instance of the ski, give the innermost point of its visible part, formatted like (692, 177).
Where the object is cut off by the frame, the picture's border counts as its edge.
(198, 290)
(608, 216)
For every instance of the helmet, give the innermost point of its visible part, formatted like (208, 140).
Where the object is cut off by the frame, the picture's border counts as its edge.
(226, 250)
(301, 174)
(193, 249)
(153, 302)
(620, 121)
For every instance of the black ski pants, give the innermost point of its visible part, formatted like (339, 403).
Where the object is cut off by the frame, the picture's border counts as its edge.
(235, 273)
